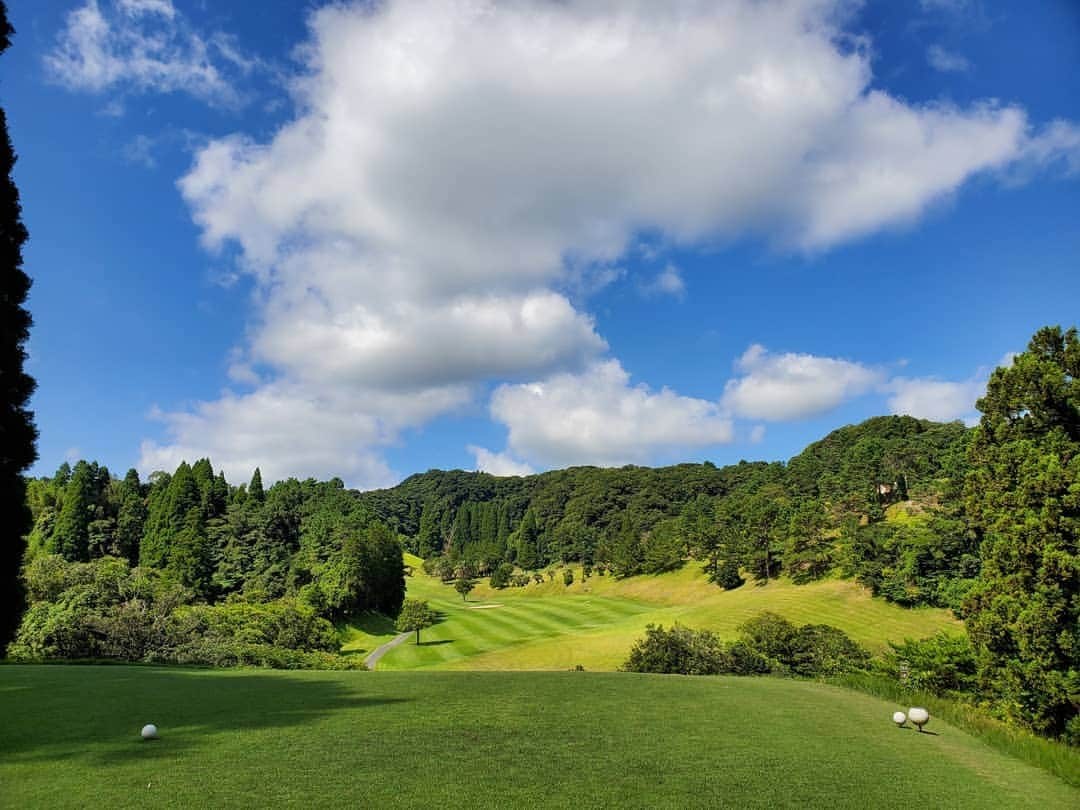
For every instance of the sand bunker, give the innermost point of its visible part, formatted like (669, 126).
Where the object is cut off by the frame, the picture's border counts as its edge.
(483, 607)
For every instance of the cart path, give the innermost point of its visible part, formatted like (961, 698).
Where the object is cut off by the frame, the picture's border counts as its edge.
(379, 652)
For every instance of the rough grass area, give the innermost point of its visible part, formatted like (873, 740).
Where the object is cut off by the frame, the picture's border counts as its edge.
(446, 739)
(593, 623)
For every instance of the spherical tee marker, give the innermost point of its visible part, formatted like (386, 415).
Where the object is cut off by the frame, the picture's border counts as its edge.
(918, 716)
(899, 718)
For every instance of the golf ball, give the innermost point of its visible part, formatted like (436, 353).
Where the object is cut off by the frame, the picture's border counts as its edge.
(149, 732)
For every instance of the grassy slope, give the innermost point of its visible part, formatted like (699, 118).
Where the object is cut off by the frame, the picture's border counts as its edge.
(253, 739)
(594, 623)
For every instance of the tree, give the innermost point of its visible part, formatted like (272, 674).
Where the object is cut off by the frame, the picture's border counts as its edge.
(500, 577)
(17, 432)
(1022, 495)
(808, 553)
(464, 586)
(255, 488)
(71, 537)
(415, 615)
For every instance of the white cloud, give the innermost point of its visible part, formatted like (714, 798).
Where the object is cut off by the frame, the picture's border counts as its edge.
(453, 164)
(143, 46)
(1058, 144)
(668, 281)
(287, 430)
(939, 400)
(782, 387)
(945, 61)
(757, 434)
(498, 463)
(408, 344)
(598, 417)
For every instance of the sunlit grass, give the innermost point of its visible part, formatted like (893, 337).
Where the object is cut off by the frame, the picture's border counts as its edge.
(593, 623)
(479, 740)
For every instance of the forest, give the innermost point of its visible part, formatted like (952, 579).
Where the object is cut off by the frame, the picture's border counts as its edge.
(187, 567)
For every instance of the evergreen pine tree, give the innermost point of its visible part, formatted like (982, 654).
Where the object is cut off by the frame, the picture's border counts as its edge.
(131, 517)
(155, 541)
(527, 555)
(255, 488)
(17, 432)
(71, 537)
(428, 542)
(1022, 495)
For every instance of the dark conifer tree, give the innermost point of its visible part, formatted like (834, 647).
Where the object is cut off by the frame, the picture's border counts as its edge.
(131, 517)
(255, 489)
(17, 432)
(71, 537)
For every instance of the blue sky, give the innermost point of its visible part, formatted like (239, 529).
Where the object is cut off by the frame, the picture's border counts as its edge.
(370, 239)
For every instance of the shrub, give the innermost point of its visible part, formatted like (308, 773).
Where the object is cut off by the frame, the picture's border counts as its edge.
(217, 652)
(501, 576)
(768, 644)
(727, 576)
(679, 650)
(772, 636)
(821, 650)
(943, 663)
(568, 577)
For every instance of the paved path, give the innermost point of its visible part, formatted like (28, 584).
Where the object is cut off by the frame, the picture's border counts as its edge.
(379, 652)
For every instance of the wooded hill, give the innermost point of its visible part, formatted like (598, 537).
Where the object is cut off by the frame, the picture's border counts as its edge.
(823, 511)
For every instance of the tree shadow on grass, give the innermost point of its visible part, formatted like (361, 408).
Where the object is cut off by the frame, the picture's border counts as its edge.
(435, 643)
(96, 713)
(372, 623)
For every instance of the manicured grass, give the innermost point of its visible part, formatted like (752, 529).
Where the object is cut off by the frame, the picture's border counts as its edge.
(476, 740)
(594, 623)
(362, 634)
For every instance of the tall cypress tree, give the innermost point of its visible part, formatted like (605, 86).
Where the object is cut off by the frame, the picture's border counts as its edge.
(255, 488)
(71, 537)
(17, 432)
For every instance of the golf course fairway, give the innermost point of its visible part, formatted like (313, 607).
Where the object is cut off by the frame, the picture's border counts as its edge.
(481, 739)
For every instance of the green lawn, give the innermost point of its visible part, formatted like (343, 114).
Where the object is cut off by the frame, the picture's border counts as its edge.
(476, 740)
(594, 623)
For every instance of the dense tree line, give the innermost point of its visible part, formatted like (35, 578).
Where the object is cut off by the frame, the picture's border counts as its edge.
(823, 512)
(301, 549)
(17, 432)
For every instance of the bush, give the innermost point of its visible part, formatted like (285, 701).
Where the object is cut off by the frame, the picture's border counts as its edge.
(501, 576)
(821, 650)
(942, 664)
(568, 577)
(679, 650)
(772, 636)
(768, 644)
(727, 576)
(285, 623)
(217, 652)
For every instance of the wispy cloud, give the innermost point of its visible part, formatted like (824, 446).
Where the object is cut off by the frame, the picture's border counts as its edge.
(143, 46)
(946, 61)
(668, 281)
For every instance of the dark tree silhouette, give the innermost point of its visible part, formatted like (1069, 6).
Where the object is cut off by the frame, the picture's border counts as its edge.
(17, 432)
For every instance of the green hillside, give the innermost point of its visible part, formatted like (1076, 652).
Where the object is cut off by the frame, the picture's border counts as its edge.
(594, 623)
(356, 739)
